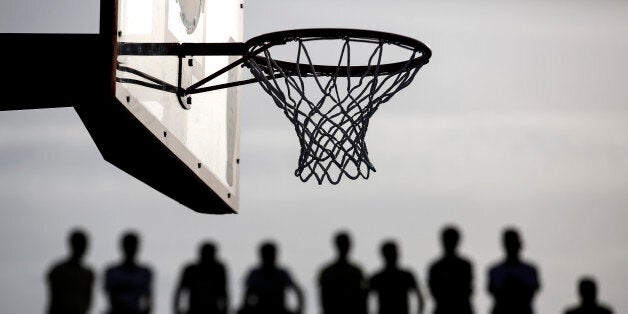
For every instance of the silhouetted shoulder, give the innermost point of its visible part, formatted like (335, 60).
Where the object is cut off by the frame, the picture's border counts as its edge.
(143, 269)
(190, 271)
(190, 268)
(409, 277)
(259, 275)
(55, 268)
(522, 267)
(110, 268)
(65, 273)
(464, 262)
(326, 269)
(458, 263)
(285, 276)
(117, 274)
(530, 265)
(376, 279)
(334, 270)
(446, 274)
(530, 269)
(195, 273)
(146, 270)
(325, 273)
(400, 278)
(597, 310)
(63, 268)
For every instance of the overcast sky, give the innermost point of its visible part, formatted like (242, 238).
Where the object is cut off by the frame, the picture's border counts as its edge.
(519, 119)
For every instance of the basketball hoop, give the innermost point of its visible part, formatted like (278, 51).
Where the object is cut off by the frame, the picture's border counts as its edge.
(329, 105)
(331, 125)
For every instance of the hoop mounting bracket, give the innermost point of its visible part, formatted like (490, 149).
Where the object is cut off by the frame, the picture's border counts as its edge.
(180, 49)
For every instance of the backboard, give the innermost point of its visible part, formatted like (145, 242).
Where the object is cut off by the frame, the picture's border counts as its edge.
(187, 147)
(205, 134)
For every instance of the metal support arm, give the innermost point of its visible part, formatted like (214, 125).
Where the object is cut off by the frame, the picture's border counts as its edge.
(182, 50)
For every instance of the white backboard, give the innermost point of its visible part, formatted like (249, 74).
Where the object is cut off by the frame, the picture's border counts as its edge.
(205, 137)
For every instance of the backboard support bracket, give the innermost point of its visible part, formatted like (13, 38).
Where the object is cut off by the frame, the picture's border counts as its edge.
(182, 50)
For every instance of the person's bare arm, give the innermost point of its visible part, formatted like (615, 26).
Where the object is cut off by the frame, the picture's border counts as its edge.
(323, 299)
(300, 298)
(176, 304)
(88, 301)
(420, 300)
(225, 293)
(148, 297)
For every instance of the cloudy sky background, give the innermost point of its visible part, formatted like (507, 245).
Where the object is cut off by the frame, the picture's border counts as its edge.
(519, 119)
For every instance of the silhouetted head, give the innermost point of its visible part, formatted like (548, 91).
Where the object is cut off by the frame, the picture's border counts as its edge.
(129, 245)
(77, 242)
(512, 244)
(389, 252)
(207, 253)
(343, 245)
(268, 254)
(450, 238)
(588, 290)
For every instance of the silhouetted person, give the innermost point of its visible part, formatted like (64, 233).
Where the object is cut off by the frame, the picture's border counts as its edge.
(393, 285)
(451, 277)
(128, 284)
(513, 283)
(588, 299)
(267, 285)
(70, 283)
(342, 285)
(205, 284)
